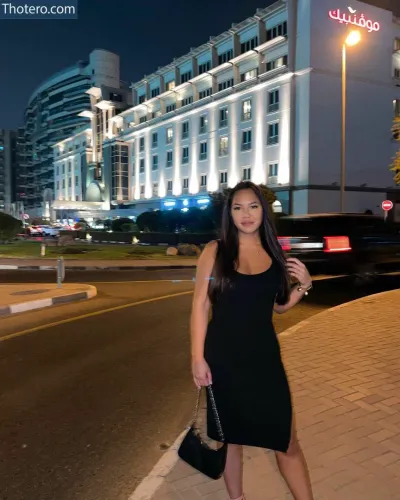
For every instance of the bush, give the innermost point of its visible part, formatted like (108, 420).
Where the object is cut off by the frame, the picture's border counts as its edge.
(117, 224)
(129, 227)
(9, 227)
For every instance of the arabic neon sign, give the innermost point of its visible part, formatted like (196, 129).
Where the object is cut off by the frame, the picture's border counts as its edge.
(354, 19)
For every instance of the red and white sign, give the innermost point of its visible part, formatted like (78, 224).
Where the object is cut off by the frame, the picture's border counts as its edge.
(387, 205)
(354, 18)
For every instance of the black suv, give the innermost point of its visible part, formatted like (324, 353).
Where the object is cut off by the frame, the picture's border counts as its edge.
(341, 243)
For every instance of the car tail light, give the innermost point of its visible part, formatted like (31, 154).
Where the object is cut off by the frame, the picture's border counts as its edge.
(285, 243)
(337, 244)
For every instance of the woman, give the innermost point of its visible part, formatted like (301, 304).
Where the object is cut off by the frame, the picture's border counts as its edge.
(245, 277)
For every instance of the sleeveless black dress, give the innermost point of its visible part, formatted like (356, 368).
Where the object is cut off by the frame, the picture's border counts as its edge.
(250, 386)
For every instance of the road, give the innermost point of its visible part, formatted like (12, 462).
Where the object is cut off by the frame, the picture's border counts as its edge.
(89, 401)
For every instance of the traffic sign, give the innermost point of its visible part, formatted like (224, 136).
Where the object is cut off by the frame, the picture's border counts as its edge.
(387, 205)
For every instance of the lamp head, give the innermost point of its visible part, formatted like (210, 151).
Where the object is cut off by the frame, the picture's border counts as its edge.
(353, 38)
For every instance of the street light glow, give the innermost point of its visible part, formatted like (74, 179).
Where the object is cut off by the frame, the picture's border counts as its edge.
(353, 38)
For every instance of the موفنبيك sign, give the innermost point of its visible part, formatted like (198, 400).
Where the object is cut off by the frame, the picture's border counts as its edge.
(354, 18)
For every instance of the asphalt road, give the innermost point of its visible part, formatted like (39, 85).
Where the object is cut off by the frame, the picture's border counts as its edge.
(87, 405)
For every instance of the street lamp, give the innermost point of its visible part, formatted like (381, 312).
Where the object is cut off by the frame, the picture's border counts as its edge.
(352, 39)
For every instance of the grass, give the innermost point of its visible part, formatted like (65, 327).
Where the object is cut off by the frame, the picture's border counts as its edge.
(31, 249)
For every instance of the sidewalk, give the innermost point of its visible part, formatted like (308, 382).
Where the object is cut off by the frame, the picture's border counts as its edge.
(344, 369)
(89, 265)
(26, 297)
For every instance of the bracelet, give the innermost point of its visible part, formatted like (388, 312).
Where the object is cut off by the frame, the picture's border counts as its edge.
(306, 290)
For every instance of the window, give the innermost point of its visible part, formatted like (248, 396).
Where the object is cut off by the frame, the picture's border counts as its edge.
(185, 77)
(154, 140)
(58, 168)
(249, 45)
(142, 189)
(141, 99)
(186, 183)
(187, 101)
(155, 92)
(155, 189)
(204, 67)
(69, 167)
(279, 30)
(203, 124)
(277, 63)
(171, 107)
(170, 85)
(170, 135)
(246, 110)
(58, 185)
(203, 180)
(397, 72)
(226, 84)
(185, 155)
(143, 119)
(246, 174)
(141, 166)
(155, 162)
(203, 151)
(169, 185)
(223, 117)
(223, 146)
(396, 107)
(76, 180)
(223, 177)
(273, 170)
(141, 144)
(248, 75)
(156, 114)
(205, 93)
(273, 133)
(185, 130)
(246, 140)
(273, 101)
(225, 56)
(170, 159)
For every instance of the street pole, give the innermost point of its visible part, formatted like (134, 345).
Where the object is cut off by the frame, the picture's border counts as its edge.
(343, 139)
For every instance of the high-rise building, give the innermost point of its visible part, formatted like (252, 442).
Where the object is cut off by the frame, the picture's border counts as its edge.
(54, 112)
(7, 167)
(262, 102)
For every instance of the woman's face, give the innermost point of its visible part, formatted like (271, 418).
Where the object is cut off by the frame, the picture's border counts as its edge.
(246, 211)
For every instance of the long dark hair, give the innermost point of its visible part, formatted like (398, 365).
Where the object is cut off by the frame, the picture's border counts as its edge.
(228, 247)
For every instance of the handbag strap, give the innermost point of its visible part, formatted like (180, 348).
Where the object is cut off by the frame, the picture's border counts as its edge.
(214, 409)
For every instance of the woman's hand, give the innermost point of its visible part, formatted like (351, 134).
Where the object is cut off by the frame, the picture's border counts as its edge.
(201, 373)
(299, 271)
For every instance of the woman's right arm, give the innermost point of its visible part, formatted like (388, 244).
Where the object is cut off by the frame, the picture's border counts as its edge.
(199, 317)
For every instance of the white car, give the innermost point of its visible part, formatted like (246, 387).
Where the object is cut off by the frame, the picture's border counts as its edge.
(34, 231)
(49, 231)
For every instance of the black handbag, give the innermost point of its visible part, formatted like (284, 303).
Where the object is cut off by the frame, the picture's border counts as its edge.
(198, 454)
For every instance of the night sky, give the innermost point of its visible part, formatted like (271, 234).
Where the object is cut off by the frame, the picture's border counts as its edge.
(145, 33)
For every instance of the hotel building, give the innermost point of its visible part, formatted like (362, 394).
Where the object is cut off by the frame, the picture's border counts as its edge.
(261, 101)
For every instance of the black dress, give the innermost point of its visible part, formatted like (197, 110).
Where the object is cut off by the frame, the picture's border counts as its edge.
(249, 380)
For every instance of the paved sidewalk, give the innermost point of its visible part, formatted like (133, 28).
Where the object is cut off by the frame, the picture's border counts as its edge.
(344, 369)
(125, 264)
(26, 297)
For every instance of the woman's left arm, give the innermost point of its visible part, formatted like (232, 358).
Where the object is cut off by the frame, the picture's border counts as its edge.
(299, 271)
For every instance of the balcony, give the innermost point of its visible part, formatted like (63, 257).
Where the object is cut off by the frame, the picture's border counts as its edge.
(273, 140)
(272, 180)
(273, 108)
(223, 123)
(246, 146)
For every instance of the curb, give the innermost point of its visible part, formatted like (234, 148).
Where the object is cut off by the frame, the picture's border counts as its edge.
(51, 301)
(95, 268)
(148, 487)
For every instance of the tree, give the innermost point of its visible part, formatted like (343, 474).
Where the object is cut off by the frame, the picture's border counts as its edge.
(9, 227)
(395, 166)
(218, 200)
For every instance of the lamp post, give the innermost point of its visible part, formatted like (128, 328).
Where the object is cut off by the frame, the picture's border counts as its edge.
(352, 39)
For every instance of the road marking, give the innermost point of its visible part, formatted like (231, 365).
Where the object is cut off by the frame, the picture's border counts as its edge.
(91, 314)
(156, 478)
